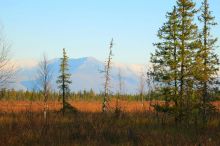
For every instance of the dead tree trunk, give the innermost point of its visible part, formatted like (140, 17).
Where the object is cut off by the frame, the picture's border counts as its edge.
(105, 105)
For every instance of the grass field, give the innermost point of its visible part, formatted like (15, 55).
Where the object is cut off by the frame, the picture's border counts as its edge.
(22, 123)
(83, 106)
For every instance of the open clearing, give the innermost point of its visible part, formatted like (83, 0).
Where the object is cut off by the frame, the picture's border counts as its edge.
(83, 106)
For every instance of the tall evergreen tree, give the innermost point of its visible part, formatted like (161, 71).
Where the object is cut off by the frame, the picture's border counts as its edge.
(184, 63)
(207, 57)
(63, 80)
(188, 38)
(174, 61)
(165, 63)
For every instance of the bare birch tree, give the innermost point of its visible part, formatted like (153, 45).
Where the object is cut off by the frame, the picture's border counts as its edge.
(45, 76)
(6, 67)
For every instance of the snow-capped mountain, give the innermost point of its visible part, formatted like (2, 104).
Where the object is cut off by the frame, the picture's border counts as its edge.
(86, 75)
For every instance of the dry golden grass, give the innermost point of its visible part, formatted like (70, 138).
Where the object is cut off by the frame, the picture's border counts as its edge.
(23, 123)
(83, 106)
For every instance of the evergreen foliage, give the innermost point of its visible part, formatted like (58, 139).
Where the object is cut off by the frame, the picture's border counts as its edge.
(207, 59)
(63, 80)
(184, 64)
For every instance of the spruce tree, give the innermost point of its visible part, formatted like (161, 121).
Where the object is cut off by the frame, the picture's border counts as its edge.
(188, 38)
(63, 80)
(184, 63)
(174, 61)
(165, 63)
(207, 57)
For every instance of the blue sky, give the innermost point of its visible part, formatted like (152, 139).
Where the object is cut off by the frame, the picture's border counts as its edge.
(85, 27)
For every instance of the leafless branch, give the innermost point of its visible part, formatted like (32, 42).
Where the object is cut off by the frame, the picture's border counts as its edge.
(6, 68)
(44, 77)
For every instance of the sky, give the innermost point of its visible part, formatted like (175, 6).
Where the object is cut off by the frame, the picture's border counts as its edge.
(85, 27)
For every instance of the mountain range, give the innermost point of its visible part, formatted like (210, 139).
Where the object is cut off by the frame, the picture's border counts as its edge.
(86, 74)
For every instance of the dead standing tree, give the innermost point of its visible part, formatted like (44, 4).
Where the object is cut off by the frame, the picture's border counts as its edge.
(105, 104)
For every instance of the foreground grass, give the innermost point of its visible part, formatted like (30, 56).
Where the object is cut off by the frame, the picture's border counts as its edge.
(82, 128)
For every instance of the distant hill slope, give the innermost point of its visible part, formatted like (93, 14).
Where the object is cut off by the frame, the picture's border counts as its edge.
(86, 75)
